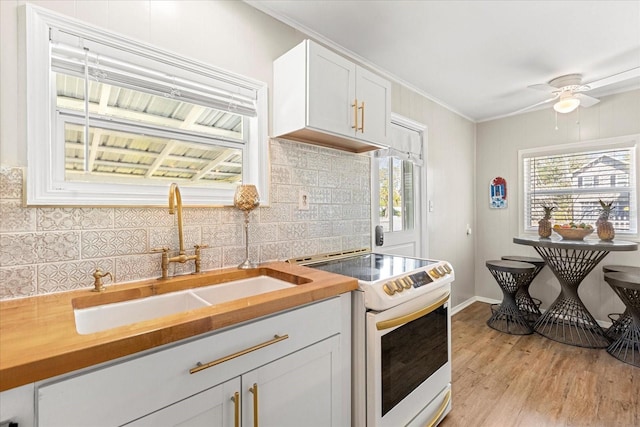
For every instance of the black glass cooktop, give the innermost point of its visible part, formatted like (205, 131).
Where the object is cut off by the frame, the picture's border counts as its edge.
(372, 267)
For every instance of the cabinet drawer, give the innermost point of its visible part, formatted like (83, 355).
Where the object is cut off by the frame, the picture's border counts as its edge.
(124, 391)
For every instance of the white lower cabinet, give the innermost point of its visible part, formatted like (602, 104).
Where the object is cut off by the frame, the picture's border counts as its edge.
(288, 369)
(297, 390)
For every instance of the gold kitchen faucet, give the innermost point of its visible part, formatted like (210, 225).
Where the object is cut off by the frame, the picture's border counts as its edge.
(175, 204)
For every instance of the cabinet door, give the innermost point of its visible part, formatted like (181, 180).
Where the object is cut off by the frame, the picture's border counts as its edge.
(374, 117)
(331, 91)
(215, 407)
(301, 389)
(17, 404)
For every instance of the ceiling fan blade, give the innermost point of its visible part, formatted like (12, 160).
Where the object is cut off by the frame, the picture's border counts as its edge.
(543, 86)
(522, 110)
(619, 77)
(586, 100)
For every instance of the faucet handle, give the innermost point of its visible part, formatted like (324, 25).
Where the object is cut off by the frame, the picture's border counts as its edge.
(197, 256)
(165, 260)
(97, 280)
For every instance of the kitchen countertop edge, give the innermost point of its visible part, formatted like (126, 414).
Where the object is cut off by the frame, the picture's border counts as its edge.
(32, 349)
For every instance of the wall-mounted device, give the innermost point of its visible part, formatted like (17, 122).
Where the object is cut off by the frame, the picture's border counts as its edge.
(379, 235)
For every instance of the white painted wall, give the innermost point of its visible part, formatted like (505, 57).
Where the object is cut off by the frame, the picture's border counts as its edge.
(498, 143)
(236, 37)
(450, 183)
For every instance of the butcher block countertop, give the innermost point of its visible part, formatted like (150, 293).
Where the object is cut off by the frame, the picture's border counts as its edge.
(38, 337)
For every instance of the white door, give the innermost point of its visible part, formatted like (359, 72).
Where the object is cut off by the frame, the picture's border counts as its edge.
(373, 94)
(301, 389)
(332, 91)
(398, 188)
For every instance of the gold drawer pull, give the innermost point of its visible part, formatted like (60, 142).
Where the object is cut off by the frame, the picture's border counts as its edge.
(361, 128)
(200, 366)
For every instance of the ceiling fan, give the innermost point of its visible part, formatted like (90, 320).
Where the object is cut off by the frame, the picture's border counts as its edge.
(568, 90)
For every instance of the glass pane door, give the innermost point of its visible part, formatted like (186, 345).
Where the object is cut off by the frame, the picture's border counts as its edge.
(398, 196)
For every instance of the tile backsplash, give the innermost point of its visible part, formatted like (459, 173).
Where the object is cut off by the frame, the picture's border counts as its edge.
(45, 250)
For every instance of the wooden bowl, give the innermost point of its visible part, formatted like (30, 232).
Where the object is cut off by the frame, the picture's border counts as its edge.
(573, 233)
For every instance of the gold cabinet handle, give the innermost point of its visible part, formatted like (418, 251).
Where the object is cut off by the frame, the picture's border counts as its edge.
(443, 406)
(254, 390)
(355, 114)
(386, 324)
(236, 409)
(200, 367)
(361, 128)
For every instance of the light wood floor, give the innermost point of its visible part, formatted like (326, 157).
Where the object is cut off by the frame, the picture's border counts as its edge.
(502, 380)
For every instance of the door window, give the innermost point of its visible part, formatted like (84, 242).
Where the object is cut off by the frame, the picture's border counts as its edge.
(397, 199)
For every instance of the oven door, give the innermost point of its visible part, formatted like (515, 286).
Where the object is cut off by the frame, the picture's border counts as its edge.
(408, 361)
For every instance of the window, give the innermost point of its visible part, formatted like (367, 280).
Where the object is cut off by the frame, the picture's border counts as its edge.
(574, 177)
(114, 122)
(399, 168)
(396, 194)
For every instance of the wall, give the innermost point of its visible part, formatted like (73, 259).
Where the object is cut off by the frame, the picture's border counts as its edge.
(498, 143)
(54, 249)
(450, 185)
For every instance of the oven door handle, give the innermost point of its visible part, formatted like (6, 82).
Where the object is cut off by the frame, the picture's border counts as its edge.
(397, 321)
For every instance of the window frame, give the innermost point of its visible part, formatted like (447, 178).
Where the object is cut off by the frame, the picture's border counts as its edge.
(45, 184)
(627, 141)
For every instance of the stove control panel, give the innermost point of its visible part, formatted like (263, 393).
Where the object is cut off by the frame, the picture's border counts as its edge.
(416, 280)
(440, 271)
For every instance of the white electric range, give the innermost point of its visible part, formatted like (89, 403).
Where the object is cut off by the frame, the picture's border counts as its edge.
(401, 336)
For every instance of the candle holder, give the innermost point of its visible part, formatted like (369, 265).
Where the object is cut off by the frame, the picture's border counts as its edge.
(246, 199)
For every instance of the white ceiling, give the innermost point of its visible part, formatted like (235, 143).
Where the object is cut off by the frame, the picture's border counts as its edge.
(477, 57)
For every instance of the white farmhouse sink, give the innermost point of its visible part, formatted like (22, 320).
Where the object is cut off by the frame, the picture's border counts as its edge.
(243, 288)
(107, 316)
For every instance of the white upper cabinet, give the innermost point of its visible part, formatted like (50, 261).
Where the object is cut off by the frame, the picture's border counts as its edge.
(321, 97)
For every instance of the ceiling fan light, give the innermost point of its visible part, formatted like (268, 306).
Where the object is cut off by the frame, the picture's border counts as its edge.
(566, 105)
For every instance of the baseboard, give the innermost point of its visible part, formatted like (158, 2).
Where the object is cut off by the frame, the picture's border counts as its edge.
(470, 301)
(458, 308)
